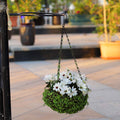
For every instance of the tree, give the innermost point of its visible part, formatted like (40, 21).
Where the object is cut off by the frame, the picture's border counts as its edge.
(106, 15)
(24, 6)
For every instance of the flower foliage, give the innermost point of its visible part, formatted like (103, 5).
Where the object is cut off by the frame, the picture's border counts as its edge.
(24, 5)
(68, 94)
(112, 16)
(81, 7)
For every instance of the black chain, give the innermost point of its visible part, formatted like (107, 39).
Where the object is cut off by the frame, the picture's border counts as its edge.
(60, 52)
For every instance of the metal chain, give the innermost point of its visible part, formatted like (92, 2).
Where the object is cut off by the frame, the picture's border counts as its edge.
(60, 52)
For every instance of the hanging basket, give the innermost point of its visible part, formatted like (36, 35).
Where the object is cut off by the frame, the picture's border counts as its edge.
(69, 94)
(66, 92)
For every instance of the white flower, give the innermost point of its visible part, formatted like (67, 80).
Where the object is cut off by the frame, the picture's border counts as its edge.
(83, 86)
(47, 78)
(79, 82)
(57, 87)
(84, 78)
(77, 77)
(64, 90)
(62, 83)
(54, 77)
(64, 75)
(73, 81)
(73, 92)
(84, 91)
(65, 84)
(66, 81)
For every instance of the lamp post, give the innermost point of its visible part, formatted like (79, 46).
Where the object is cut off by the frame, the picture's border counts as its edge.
(5, 103)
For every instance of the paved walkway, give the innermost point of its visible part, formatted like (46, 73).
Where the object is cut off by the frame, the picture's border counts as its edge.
(27, 86)
(53, 40)
(87, 44)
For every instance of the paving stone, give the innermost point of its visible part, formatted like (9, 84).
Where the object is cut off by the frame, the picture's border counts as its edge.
(104, 100)
(109, 109)
(105, 95)
(112, 81)
(46, 113)
(100, 119)
(27, 103)
(116, 118)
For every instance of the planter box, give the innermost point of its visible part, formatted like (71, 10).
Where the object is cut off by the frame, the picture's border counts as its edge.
(14, 20)
(110, 50)
(80, 19)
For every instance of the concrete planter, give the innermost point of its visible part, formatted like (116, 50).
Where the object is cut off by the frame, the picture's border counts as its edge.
(110, 50)
(14, 20)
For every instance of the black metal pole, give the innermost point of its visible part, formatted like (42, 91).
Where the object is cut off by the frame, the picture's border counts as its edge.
(4, 81)
(1, 93)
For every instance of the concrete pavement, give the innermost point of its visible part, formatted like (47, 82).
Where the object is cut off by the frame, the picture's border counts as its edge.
(27, 86)
(53, 40)
(84, 46)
